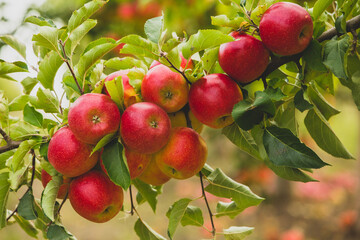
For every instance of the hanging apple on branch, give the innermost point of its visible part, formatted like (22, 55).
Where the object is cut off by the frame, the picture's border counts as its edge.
(139, 127)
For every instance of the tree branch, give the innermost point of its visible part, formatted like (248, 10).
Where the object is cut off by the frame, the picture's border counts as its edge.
(276, 62)
(10, 144)
(176, 69)
(213, 231)
(131, 201)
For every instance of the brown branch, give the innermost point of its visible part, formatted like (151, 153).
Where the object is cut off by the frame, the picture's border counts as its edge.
(176, 69)
(213, 231)
(276, 62)
(131, 201)
(186, 111)
(10, 144)
(66, 60)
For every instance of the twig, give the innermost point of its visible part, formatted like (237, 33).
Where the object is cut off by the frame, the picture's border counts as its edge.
(207, 204)
(176, 69)
(131, 201)
(62, 203)
(264, 82)
(186, 110)
(10, 144)
(66, 60)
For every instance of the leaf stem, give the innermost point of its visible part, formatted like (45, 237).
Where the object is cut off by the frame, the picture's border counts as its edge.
(213, 231)
(176, 69)
(66, 60)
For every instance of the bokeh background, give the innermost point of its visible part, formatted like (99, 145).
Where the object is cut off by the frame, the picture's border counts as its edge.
(328, 209)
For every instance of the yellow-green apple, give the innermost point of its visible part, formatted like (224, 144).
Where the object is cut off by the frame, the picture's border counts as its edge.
(178, 119)
(165, 88)
(244, 59)
(145, 127)
(286, 28)
(137, 162)
(153, 175)
(212, 98)
(95, 197)
(92, 116)
(130, 96)
(184, 155)
(70, 156)
(45, 179)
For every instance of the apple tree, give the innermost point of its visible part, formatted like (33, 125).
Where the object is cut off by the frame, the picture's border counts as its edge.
(295, 53)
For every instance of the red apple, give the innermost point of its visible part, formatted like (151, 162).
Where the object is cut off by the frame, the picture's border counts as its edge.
(165, 88)
(68, 155)
(212, 98)
(92, 116)
(184, 155)
(244, 59)
(184, 63)
(45, 179)
(286, 28)
(145, 127)
(94, 197)
(153, 175)
(136, 162)
(130, 96)
(127, 11)
(154, 63)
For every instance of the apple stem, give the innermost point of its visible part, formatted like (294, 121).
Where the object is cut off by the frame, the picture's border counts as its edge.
(213, 231)
(176, 69)
(131, 201)
(264, 82)
(66, 60)
(186, 110)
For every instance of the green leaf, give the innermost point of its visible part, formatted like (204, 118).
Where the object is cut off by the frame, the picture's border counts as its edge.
(209, 59)
(15, 44)
(204, 39)
(153, 28)
(56, 232)
(18, 103)
(319, 7)
(334, 54)
(300, 102)
(18, 158)
(26, 226)
(227, 209)
(28, 84)
(93, 54)
(192, 216)
(46, 101)
(246, 114)
(224, 21)
(26, 208)
(285, 117)
(21, 130)
(102, 143)
(353, 83)
(4, 194)
(242, 139)
(274, 94)
(40, 21)
(44, 150)
(139, 46)
(285, 149)
(340, 24)
(48, 37)
(223, 186)
(116, 90)
(237, 233)
(324, 136)
(320, 102)
(177, 212)
(115, 165)
(313, 58)
(147, 192)
(145, 232)
(323, 79)
(83, 13)
(4, 157)
(48, 196)
(48, 68)
(80, 32)
(32, 116)
(124, 63)
(7, 67)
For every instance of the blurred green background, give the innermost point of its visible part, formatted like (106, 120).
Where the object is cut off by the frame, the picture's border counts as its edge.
(327, 209)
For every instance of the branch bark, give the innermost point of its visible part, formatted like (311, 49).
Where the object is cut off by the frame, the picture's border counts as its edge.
(10, 144)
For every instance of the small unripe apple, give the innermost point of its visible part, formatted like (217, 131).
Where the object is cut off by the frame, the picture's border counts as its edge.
(68, 155)
(178, 119)
(166, 88)
(45, 179)
(184, 155)
(244, 59)
(95, 197)
(92, 116)
(130, 96)
(212, 98)
(145, 127)
(286, 28)
(153, 175)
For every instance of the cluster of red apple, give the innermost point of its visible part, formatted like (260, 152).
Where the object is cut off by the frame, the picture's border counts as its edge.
(160, 130)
